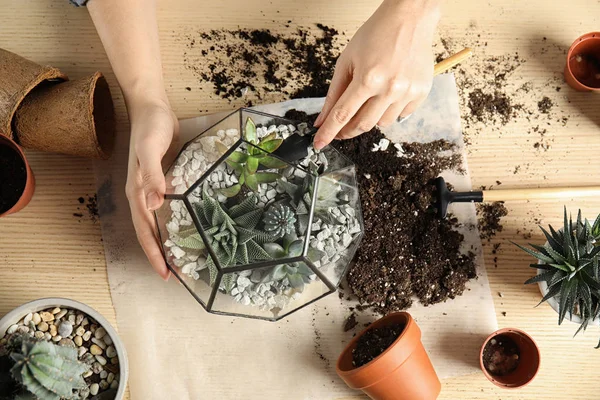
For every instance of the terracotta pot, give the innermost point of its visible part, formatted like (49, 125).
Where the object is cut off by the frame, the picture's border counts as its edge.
(18, 77)
(529, 360)
(402, 372)
(582, 71)
(29, 185)
(75, 118)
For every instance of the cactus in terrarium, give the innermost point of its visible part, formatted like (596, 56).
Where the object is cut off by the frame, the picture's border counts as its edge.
(279, 220)
(232, 233)
(246, 162)
(46, 370)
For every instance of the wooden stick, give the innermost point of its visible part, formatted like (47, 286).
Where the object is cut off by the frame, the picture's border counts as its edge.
(541, 193)
(451, 61)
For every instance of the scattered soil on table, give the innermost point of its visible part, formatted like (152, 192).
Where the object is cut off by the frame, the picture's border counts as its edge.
(489, 219)
(491, 106)
(501, 355)
(408, 250)
(89, 206)
(545, 105)
(374, 342)
(260, 65)
(13, 177)
(350, 323)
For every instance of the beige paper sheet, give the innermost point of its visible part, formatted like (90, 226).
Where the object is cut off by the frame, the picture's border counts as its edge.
(178, 351)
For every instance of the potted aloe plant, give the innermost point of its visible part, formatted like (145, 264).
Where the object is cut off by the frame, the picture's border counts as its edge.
(568, 270)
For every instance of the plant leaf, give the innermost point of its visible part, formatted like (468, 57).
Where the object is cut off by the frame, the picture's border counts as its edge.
(270, 145)
(251, 166)
(238, 157)
(274, 250)
(250, 131)
(552, 291)
(266, 177)
(273, 162)
(231, 191)
(539, 256)
(252, 182)
(543, 277)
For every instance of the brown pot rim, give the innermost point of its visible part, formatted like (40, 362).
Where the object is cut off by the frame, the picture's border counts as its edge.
(29, 184)
(586, 36)
(526, 336)
(406, 340)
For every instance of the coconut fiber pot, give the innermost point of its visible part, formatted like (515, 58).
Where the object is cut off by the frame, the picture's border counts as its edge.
(582, 71)
(8, 172)
(529, 359)
(18, 77)
(402, 372)
(75, 118)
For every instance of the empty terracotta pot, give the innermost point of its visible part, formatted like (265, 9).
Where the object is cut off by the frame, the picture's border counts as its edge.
(9, 171)
(529, 360)
(18, 77)
(582, 71)
(402, 372)
(75, 118)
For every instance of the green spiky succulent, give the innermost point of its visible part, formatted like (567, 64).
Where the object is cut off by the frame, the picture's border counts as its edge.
(48, 371)
(329, 194)
(297, 273)
(570, 265)
(245, 162)
(279, 220)
(232, 233)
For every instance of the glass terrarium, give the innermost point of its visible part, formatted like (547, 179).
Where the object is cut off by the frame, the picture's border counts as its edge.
(249, 234)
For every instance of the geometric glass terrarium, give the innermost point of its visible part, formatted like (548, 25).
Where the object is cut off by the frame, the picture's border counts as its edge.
(251, 235)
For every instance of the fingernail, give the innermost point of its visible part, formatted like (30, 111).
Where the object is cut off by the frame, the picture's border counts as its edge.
(152, 201)
(166, 278)
(318, 120)
(319, 144)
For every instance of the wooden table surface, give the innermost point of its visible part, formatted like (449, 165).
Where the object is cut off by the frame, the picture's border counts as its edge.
(46, 251)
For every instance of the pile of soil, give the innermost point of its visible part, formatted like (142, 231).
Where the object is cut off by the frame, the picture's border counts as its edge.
(489, 218)
(408, 250)
(260, 65)
(13, 177)
(501, 356)
(374, 342)
(91, 208)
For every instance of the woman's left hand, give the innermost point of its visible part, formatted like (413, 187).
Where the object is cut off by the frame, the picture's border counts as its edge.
(384, 73)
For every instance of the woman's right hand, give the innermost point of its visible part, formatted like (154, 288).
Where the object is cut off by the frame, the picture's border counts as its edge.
(153, 127)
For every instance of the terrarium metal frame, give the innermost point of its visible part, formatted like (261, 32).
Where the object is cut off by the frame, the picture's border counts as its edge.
(184, 197)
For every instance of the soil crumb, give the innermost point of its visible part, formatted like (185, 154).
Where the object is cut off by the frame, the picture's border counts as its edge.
(374, 342)
(501, 355)
(350, 323)
(489, 219)
(545, 105)
(409, 252)
(89, 206)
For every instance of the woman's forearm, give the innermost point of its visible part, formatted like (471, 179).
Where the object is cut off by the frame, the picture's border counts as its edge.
(129, 33)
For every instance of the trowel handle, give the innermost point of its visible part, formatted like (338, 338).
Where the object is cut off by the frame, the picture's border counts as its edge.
(451, 61)
(541, 193)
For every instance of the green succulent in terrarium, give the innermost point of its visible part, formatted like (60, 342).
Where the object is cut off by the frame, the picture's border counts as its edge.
(569, 264)
(232, 233)
(246, 162)
(279, 220)
(46, 370)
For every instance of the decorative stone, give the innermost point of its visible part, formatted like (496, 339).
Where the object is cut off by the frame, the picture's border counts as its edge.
(103, 384)
(87, 335)
(46, 316)
(94, 388)
(85, 322)
(27, 319)
(61, 314)
(80, 331)
(47, 336)
(43, 326)
(81, 351)
(39, 335)
(56, 310)
(66, 342)
(107, 340)
(65, 328)
(78, 340)
(23, 329)
(57, 338)
(111, 352)
(12, 329)
(103, 374)
(97, 367)
(95, 349)
(79, 319)
(88, 373)
(101, 360)
(114, 384)
(72, 319)
(36, 318)
(99, 343)
(110, 378)
(53, 330)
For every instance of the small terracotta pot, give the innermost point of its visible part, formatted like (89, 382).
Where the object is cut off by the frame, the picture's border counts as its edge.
(402, 372)
(29, 185)
(529, 360)
(18, 77)
(582, 71)
(75, 118)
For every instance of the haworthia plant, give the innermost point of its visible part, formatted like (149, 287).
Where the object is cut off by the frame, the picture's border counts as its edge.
(246, 162)
(48, 371)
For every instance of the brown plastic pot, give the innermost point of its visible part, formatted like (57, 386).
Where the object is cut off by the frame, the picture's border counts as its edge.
(18, 77)
(529, 363)
(402, 372)
(29, 185)
(75, 118)
(582, 71)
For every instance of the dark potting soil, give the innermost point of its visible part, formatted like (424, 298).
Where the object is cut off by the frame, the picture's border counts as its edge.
(408, 250)
(374, 342)
(489, 218)
(545, 105)
(501, 355)
(350, 323)
(89, 205)
(13, 177)
(488, 106)
(260, 65)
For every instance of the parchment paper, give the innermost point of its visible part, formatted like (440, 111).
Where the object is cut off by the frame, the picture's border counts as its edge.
(178, 351)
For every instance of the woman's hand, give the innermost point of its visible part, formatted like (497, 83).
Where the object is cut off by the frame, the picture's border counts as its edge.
(153, 127)
(385, 71)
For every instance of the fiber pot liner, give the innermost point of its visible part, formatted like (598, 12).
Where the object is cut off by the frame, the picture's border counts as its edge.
(18, 77)
(75, 118)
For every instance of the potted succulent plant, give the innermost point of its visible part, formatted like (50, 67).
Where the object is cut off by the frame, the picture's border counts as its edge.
(388, 358)
(568, 270)
(56, 349)
(17, 183)
(509, 358)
